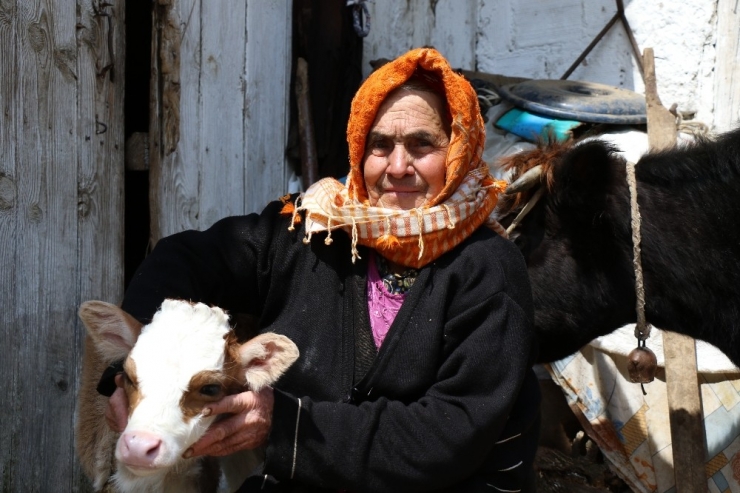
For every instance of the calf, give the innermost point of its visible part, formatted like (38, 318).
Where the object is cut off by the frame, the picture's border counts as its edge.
(186, 358)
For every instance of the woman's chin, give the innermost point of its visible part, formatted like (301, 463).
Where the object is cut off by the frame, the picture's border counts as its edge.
(401, 200)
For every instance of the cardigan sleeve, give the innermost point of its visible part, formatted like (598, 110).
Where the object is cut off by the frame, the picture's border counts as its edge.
(223, 265)
(435, 441)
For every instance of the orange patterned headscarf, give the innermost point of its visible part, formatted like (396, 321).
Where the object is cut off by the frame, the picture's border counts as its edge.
(415, 237)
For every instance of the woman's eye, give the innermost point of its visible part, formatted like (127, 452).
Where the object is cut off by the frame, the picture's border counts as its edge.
(210, 390)
(379, 145)
(421, 145)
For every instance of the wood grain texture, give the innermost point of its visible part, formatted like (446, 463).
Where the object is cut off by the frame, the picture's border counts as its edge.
(727, 81)
(682, 382)
(219, 110)
(61, 210)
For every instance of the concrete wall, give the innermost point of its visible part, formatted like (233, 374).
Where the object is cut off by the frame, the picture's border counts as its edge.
(541, 39)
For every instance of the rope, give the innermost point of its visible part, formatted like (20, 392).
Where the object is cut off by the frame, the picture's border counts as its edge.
(528, 207)
(695, 128)
(642, 328)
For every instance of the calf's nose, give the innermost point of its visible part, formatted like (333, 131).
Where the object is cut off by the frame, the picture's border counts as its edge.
(139, 448)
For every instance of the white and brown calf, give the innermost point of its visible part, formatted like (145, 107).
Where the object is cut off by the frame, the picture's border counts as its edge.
(186, 358)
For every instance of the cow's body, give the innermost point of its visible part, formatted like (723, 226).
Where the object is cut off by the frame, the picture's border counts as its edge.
(184, 359)
(577, 242)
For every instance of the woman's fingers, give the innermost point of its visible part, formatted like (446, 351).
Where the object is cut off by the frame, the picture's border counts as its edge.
(247, 428)
(239, 432)
(232, 404)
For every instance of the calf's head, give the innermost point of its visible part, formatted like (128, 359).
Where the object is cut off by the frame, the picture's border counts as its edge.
(186, 358)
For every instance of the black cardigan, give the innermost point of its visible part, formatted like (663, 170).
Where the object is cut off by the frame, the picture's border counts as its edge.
(448, 402)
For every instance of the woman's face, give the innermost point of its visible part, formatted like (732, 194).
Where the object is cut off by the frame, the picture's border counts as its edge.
(406, 150)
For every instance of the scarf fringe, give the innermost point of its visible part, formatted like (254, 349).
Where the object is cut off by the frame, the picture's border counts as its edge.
(402, 236)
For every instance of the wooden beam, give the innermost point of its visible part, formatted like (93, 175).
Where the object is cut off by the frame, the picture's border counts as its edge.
(727, 70)
(684, 396)
(309, 161)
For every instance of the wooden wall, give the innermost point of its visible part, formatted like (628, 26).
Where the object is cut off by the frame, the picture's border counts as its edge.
(218, 132)
(219, 110)
(61, 209)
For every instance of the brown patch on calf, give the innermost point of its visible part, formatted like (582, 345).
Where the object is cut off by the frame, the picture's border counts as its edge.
(200, 393)
(131, 385)
(230, 380)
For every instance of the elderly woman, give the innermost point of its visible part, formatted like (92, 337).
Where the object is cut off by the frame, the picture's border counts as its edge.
(412, 315)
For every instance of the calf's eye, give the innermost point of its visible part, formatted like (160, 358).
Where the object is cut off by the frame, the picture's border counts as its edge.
(210, 390)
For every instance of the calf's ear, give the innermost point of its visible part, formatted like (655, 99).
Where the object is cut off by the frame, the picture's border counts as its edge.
(265, 358)
(113, 331)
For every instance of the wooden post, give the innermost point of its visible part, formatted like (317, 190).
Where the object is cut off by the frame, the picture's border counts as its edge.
(684, 397)
(727, 68)
(309, 161)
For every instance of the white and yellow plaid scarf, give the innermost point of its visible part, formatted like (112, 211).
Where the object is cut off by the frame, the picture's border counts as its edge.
(411, 237)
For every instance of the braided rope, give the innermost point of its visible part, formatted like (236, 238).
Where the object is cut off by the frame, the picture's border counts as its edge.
(642, 328)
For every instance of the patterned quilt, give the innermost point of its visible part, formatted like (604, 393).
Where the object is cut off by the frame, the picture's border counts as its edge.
(633, 429)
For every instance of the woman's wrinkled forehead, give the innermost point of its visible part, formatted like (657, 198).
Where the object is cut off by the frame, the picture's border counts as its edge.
(430, 83)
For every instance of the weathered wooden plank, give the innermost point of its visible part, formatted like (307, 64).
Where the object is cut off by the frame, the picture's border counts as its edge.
(307, 142)
(100, 167)
(219, 110)
(682, 383)
(45, 242)
(268, 53)
(224, 32)
(51, 163)
(9, 97)
(727, 78)
(173, 167)
(100, 136)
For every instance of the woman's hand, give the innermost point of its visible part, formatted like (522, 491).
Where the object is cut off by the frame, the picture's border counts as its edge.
(116, 414)
(247, 428)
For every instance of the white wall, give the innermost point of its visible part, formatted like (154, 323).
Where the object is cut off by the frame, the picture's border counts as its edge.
(695, 68)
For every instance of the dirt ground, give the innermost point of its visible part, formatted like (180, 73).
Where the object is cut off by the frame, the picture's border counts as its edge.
(567, 460)
(561, 473)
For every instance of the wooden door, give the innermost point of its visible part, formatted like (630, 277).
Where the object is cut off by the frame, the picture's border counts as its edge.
(61, 213)
(219, 110)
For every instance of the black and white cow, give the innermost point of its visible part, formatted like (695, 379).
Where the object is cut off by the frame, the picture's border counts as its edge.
(577, 241)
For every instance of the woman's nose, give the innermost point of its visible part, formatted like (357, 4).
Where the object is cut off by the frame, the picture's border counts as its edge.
(399, 162)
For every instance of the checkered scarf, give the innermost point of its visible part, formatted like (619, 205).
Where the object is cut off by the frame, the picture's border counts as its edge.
(414, 237)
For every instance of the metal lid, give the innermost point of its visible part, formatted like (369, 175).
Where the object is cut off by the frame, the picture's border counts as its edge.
(577, 100)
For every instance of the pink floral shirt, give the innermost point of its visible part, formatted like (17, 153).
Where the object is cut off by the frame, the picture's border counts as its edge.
(382, 305)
